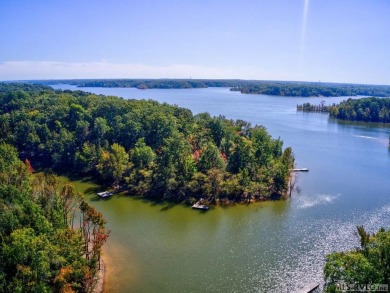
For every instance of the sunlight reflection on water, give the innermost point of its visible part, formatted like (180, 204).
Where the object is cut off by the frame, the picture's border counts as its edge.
(331, 235)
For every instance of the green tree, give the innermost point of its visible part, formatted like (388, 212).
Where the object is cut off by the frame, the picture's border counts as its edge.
(87, 158)
(369, 264)
(112, 164)
(142, 156)
(210, 158)
(242, 156)
(120, 161)
(100, 131)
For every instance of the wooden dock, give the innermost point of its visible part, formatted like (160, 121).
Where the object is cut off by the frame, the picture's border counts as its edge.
(104, 194)
(200, 206)
(310, 288)
(301, 170)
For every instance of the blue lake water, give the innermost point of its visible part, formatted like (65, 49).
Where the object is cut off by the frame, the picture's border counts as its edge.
(265, 247)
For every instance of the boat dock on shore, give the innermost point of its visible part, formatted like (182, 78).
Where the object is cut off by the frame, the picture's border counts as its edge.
(200, 206)
(301, 170)
(104, 194)
(310, 288)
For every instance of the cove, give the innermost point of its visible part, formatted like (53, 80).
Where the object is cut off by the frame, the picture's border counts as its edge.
(264, 247)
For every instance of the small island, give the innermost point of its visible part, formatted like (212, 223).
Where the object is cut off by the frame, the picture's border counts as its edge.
(365, 109)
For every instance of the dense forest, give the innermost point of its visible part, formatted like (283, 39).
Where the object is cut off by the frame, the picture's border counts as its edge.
(314, 89)
(149, 149)
(50, 238)
(364, 109)
(369, 264)
(277, 88)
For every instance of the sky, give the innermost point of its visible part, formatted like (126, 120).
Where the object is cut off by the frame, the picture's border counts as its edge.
(299, 40)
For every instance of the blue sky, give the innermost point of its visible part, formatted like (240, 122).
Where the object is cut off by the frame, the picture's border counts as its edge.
(337, 40)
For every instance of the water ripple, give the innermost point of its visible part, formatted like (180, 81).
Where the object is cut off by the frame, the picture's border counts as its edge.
(308, 201)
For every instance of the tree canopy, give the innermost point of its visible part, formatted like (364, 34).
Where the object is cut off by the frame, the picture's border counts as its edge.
(150, 149)
(364, 109)
(46, 240)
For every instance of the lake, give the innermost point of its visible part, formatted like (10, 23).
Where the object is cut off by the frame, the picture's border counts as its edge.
(264, 247)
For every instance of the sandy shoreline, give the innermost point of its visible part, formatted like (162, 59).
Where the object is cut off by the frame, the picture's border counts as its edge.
(100, 278)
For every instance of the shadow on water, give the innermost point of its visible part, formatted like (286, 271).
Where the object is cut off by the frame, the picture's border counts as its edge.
(202, 211)
(86, 179)
(75, 177)
(167, 207)
(358, 124)
(91, 190)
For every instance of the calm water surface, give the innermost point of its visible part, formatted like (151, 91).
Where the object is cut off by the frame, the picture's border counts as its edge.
(265, 247)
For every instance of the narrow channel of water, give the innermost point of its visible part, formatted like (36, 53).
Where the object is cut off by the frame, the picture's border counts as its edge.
(264, 247)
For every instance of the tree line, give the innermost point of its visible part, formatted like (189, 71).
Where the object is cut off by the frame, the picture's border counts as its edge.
(364, 109)
(150, 149)
(292, 89)
(278, 88)
(50, 238)
(307, 107)
(150, 83)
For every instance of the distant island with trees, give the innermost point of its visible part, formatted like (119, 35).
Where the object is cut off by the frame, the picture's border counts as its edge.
(154, 150)
(364, 109)
(276, 88)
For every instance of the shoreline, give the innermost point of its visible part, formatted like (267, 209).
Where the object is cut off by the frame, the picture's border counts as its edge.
(101, 277)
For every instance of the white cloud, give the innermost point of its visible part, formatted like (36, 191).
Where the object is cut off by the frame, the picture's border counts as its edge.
(29, 70)
(22, 70)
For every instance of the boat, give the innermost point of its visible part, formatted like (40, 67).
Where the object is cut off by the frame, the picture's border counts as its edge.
(104, 194)
(200, 206)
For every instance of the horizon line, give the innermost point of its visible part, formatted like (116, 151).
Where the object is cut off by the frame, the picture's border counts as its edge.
(197, 79)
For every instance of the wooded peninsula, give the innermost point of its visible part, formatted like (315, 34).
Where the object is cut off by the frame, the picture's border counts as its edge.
(50, 238)
(275, 88)
(154, 150)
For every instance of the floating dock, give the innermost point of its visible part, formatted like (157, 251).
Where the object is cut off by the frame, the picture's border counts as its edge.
(105, 194)
(200, 206)
(301, 170)
(310, 288)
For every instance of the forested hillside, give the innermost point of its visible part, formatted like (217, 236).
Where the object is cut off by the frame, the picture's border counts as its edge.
(150, 149)
(50, 238)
